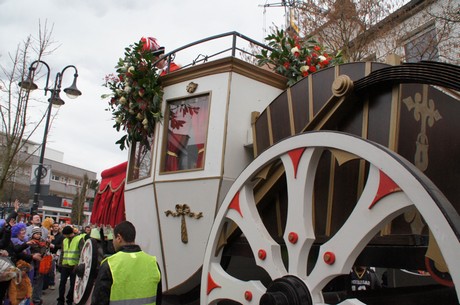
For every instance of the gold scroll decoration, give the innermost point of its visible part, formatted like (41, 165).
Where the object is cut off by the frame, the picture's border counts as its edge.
(183, 210)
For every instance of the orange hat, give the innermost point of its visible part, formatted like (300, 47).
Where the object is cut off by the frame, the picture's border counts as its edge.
(150, 43)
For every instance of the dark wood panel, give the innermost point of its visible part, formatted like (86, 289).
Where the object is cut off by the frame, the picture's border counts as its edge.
(262, 135)
(346, 179)
(353, 70)
(321, 194)
(279, 110)
(301, 111)
(378, 127)
(442, 143)
(322, 83)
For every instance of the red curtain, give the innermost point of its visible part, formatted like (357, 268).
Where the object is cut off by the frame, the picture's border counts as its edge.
(200, 127)
(109, 203)
(176, 143)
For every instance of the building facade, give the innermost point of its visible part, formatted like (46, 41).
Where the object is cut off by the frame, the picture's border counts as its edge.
(58, 188)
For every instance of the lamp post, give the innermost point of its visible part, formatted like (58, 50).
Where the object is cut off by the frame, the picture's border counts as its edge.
(72, 92)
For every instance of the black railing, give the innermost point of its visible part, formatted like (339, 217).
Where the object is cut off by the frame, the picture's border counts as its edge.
(218, 52)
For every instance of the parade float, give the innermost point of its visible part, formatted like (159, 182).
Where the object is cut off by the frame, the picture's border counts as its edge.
(250, 191)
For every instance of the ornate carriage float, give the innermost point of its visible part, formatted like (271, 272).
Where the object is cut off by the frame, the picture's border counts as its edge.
(258, 193)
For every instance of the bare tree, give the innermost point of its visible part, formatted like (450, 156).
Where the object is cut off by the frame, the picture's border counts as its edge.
(17, 126)
(78, 204)
(370, 30)
(339, 24)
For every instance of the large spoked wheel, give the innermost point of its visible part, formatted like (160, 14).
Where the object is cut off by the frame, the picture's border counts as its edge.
(86, 272)
(392, 186)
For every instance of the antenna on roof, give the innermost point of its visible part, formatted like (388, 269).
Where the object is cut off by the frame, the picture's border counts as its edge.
(290, 12)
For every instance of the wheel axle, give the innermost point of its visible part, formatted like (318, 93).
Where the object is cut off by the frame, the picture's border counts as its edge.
(288, 290)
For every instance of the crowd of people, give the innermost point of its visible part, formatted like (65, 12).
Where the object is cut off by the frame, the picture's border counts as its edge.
(40, 249)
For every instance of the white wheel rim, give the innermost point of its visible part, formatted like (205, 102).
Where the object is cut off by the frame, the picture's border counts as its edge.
(346, 244)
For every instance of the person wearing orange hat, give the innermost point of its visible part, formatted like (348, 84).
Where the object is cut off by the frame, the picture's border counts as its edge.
(151, 44)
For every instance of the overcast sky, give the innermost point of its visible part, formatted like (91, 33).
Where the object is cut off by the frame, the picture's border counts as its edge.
(92, 35)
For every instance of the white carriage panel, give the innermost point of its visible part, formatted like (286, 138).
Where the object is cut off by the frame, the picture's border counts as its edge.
(184, 259)
(141, 211)
(217, 86)
(246, 95)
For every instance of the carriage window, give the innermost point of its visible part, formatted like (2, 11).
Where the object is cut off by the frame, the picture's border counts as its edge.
(140, 161)
(186, 135)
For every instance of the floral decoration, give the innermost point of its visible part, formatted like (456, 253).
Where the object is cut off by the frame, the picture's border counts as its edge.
(136, 94)
(295, 58)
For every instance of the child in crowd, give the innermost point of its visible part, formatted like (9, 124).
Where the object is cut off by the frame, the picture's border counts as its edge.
(39, 245)
(18, 291)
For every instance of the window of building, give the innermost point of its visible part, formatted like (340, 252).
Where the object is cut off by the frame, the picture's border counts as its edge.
(187, 121)
(422, 44)
(140, 163)
(55, 178)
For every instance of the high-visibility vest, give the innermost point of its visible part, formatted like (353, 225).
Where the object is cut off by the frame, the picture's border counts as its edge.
(70, 252)
(135, 278)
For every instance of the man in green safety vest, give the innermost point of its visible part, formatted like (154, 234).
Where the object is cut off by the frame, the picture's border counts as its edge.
(130, 276)
(70, 256)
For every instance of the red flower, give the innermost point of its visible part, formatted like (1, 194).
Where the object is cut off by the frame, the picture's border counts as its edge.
(142, 104)
(312, 69)
(317, 48)
(305, 73)
(286, 65)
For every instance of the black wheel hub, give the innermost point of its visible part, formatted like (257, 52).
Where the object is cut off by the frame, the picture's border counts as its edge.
(288, 290)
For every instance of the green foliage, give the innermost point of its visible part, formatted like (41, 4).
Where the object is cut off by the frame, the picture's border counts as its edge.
(135, 100)
(295, 58)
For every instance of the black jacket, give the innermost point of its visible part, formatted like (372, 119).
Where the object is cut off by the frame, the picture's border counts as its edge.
(103, 284)
(57, 242)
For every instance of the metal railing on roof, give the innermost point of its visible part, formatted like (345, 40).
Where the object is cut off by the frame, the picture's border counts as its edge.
(234, 49)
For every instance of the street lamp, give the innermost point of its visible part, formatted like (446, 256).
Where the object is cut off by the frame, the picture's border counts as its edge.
(55, 99)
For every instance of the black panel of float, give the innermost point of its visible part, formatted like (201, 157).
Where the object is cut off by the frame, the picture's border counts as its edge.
(353, 70)
(322, 83)
(262, 134)
(281, 126)
(379, 128)
(300, 106)
(442, 140)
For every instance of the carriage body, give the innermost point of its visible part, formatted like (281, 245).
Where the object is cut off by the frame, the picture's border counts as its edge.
(175, 190)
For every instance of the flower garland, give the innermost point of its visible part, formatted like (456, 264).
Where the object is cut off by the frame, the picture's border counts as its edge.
(293, 58)
(136, 94)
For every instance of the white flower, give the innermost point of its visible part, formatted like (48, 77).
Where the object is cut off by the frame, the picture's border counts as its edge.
(304, 68)
(145, 122)
(295, 50)
(118, 119)
(127, 89)
(131, 69)
(122, 100)
(321, 58)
